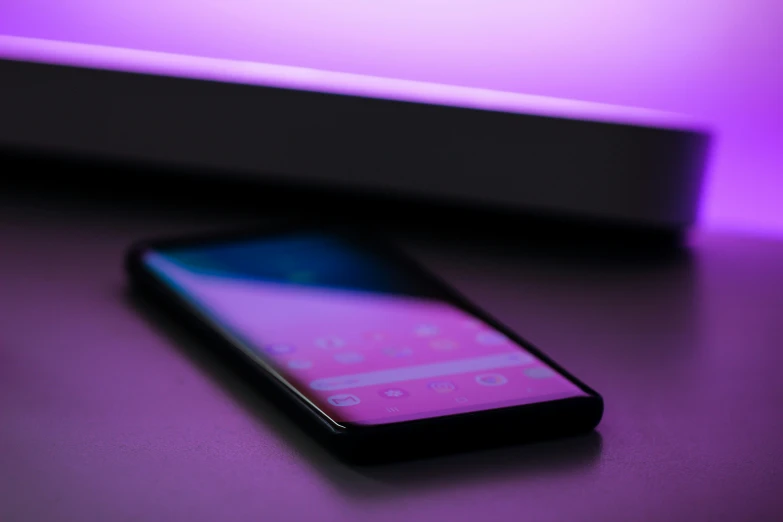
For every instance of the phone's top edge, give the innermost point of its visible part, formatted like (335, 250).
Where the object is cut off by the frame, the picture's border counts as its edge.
(314, 80)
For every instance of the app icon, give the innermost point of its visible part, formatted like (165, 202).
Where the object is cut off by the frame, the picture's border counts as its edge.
(443, 344)
(491, 338)
(442, 386)
(461, 399)
(299, 364)
(393, 393)
(344, 399)
(426, 330)
(328, 343)
(348, 357)
(518, 357)
(279, 349)
(539, 372)
(491, 379)
(398, 351)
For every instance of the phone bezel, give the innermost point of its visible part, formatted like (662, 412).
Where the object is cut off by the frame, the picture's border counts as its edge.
(560, 414)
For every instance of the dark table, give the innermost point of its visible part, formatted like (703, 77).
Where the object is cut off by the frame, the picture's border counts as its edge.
(110, 412)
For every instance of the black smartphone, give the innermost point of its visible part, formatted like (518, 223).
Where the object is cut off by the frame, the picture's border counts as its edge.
(371, 353)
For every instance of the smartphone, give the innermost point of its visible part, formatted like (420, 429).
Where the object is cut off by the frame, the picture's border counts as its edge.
(371, 353)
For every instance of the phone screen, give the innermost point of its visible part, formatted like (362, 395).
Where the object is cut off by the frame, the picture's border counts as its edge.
(360, 335)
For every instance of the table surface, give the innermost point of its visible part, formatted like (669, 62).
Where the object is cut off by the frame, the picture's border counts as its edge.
(110, 412)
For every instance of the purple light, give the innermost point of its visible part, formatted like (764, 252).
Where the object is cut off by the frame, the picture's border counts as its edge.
(252, 73)
(717, 60)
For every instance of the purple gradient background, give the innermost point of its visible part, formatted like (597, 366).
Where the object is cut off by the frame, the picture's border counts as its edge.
(718, 60)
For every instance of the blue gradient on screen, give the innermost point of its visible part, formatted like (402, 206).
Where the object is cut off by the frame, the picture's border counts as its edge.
(314, 260)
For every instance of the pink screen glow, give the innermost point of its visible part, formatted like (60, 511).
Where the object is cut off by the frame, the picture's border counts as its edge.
(717, 60)
(370, 358)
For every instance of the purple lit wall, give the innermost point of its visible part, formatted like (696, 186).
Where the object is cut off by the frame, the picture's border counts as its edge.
(719, 60)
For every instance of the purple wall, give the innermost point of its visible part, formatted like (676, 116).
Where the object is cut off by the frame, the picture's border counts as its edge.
(719, 60)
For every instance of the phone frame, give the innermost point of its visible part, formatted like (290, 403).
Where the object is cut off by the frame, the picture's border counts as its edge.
(361, 443)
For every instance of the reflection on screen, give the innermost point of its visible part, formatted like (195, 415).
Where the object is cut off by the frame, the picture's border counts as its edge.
(363, 338)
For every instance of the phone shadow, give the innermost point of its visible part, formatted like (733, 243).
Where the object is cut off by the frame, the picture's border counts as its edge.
(569, 455)
(572, 455)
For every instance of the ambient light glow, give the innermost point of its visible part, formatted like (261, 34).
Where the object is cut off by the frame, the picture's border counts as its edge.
(300, 78)
(717, 60)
